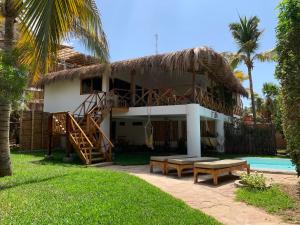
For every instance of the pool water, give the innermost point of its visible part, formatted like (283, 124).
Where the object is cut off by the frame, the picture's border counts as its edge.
(270, 163)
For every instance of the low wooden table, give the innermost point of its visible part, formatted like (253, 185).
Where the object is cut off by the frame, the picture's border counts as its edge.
(219, 167)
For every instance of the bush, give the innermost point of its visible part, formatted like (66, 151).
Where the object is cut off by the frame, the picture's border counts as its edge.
(257, 181)
(288, 70)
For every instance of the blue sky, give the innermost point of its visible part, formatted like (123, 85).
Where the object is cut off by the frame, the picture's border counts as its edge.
(130, 26)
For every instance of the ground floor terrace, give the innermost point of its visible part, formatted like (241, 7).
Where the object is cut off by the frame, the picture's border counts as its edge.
(190, 124)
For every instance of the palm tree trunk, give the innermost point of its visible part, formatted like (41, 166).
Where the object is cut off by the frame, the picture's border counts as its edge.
(9, 33)
(252, 94)
(5, 164)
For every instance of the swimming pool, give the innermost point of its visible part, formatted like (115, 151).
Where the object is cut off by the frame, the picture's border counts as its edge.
(272, 164)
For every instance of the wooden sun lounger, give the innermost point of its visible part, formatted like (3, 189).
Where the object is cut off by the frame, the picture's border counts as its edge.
(186, 163)
(161, 161)
(219, 167)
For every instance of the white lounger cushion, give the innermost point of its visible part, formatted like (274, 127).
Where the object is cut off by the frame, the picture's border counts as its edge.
(220, 164)
(166, 158)
(191, 160)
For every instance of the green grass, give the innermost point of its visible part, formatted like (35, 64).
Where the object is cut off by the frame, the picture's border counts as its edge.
(138, 158)
(273, 200)
(50, 192)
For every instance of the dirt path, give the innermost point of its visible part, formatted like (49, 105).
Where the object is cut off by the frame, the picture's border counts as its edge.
(217, 201)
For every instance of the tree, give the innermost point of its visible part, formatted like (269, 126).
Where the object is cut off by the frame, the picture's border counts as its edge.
(288, 72)
(44, 25)
(270, 90)
(247, 34)
(272, 104)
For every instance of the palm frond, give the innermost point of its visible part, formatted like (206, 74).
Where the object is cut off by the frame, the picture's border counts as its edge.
(246, 34)
(267, 56)
(94, 41)
(234, 59)
(47, 23)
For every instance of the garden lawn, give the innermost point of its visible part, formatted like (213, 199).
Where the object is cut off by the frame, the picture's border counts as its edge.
(49, 192)
(273, 200)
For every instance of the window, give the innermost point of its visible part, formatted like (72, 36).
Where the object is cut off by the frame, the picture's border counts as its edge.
(137, 124)
(91, 85)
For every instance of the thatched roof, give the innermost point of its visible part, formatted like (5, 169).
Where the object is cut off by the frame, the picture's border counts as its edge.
(201, 60)
(68, 55)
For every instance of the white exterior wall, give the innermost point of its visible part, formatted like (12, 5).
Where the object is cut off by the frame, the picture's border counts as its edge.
(134, 134)
(63, 96)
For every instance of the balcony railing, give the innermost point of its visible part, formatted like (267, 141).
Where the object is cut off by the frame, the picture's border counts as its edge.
(169, 96)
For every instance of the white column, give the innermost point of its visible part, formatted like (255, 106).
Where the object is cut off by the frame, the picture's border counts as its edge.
(193, 129)
(105, 125)
(221, 134)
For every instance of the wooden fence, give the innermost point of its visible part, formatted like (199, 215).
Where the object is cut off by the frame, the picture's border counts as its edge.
(34, 131)
(247, 139)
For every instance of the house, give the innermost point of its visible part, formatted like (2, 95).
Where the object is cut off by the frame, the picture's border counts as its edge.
(185, 95)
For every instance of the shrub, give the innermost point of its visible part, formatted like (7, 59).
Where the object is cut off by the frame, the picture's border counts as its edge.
(287, 71)
(256, 180)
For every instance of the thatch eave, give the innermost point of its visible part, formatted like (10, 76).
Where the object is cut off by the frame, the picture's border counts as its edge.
(198, 60)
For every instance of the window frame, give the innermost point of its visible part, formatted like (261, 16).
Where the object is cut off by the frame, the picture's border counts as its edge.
(91, 91)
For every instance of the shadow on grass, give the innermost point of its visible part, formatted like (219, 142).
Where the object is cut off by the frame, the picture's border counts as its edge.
(30, 181)
(55, 159)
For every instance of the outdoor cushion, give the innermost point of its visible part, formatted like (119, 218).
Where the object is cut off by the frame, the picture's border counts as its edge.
(192, 160)
(165, 158)
(220, 164)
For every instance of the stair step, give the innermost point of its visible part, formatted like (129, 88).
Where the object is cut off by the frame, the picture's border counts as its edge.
(97, 153)
(97, 159)
(101, 164)
(82, 144)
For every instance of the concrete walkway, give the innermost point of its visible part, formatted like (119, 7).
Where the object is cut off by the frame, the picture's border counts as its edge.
(217, 201)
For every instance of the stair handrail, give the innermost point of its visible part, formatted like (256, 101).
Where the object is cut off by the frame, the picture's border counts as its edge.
(101, 131)
(94, 98)
(102, 98)
(79, 128)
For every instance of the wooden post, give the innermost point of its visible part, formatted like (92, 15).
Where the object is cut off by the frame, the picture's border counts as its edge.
(133, 88)
(21, 130)
(32, 127)
(68, 143)
(50, 134)
(110, 124)
(42, 130)
(194, 87)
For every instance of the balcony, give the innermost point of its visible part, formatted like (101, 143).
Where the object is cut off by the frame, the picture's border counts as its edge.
(170, 96)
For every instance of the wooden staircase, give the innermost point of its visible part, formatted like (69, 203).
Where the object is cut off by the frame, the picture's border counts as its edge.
(83, 128)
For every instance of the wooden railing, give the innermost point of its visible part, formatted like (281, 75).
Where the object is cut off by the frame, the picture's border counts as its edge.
(169, 96)
(59, 123)
(100, 140)
(64, 123)
(82, 143)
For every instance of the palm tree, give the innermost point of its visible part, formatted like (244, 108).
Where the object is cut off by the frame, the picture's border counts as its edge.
(246, 34)
(44, 25)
